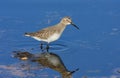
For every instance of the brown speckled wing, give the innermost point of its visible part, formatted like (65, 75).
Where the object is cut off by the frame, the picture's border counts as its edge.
(45, 33)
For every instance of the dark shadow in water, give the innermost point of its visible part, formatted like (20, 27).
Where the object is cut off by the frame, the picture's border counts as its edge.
(50, 60)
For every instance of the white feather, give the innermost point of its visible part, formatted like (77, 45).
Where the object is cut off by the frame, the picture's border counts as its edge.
(50, 39)
(53, 37)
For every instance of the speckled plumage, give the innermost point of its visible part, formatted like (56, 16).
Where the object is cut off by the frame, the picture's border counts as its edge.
(51, 33)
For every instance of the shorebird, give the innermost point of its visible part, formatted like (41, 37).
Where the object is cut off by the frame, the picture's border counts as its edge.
(51, 33)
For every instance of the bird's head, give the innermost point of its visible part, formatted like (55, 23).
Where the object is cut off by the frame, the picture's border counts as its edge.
(67, 21)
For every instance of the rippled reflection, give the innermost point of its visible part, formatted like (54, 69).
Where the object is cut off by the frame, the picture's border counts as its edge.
(50, 60)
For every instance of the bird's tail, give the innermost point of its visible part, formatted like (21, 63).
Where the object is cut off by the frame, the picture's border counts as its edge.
(27, 34)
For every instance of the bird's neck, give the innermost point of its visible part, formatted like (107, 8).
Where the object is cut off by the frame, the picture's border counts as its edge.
(62, 25)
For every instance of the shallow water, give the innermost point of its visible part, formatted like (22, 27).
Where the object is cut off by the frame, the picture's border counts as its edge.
(95, 48)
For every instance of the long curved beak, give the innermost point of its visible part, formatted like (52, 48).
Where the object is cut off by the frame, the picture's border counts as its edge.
(75, 25)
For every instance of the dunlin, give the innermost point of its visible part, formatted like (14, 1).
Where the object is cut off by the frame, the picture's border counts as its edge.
(51, 33)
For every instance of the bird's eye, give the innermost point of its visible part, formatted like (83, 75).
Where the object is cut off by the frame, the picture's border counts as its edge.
(68, 17)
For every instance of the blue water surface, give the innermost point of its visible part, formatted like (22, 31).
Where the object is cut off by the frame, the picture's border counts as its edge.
(94, 49)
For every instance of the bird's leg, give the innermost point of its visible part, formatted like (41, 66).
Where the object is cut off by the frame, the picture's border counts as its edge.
(41, 46)
(47, 47)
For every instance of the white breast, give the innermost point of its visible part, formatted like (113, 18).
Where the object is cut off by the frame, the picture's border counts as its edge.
(54, 37)
(50, 39)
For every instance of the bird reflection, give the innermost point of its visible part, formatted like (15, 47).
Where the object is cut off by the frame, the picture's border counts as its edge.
(50, 60)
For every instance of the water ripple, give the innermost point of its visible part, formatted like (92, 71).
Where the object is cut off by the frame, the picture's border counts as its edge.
(58, 46)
